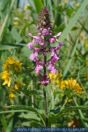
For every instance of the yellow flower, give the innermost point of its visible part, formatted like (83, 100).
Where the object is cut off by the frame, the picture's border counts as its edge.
(57, 82)
(52, 76)
(71, 84)
(18, 65)
(62, 84)
(6, 77)
(10, 67)
(55, 77)
(8, 62)
(12, 63)
(11, 96)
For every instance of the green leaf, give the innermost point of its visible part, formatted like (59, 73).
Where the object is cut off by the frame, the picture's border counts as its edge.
(13, 111)
(19, 108)
(31, 115)
(32, 123)
(9, 127)
(3, 121)
(16, 36)
(38, 5)
(25, 51)
(6, 47)
(50, 7)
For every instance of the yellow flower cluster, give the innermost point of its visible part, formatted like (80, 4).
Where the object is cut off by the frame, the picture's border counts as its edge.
(55, 78)
(63, 84)
(6, 77)
(11, 67)
(12, 63)
(13, 89)
(71, 84)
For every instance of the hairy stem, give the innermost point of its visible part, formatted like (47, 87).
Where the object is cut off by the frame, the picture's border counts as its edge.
(45, 106)
(45, 94)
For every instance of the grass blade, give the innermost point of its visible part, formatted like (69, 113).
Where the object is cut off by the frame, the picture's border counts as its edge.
(6, 19)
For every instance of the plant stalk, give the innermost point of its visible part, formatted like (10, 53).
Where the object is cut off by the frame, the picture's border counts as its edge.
(45, 106)
(45, 94)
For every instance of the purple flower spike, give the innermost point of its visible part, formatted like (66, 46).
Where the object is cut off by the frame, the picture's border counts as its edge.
(41, 47)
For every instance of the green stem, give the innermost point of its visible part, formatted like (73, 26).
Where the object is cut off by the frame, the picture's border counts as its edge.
(44, 91)
(45, 106)
(63, 106)
(32, 97)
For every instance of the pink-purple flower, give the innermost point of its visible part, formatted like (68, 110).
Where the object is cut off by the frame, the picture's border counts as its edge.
(38, 68)
(42, 47)
(30, 45)
(52, 68)
(45, 32)
(52, 40)
(33, 56)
